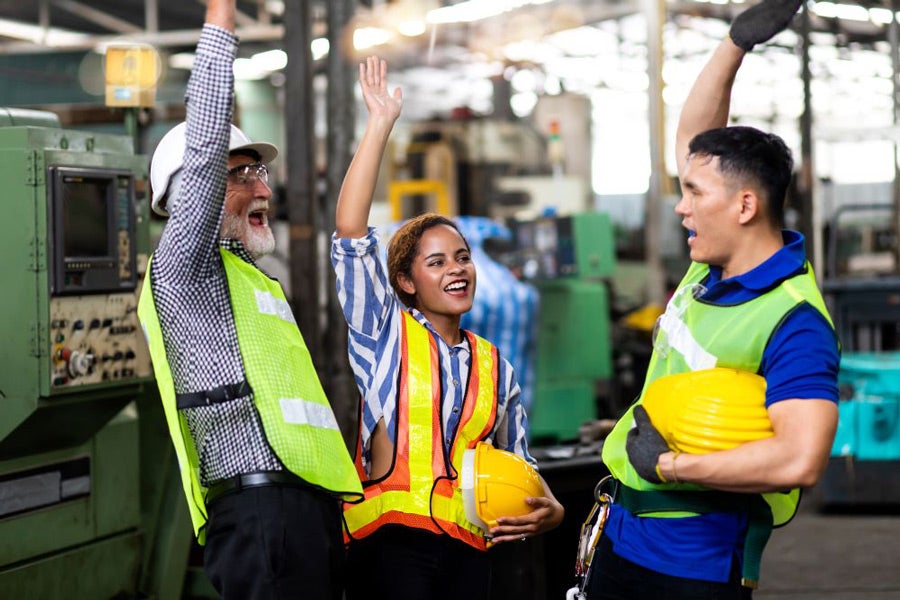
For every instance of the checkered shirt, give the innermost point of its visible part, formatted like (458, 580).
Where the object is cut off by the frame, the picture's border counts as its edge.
(188, 279)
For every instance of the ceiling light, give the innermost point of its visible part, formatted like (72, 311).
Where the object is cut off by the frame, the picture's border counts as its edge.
(367, 37)
(476, 10)
(320, 48)
(271, 60)
(246, 69)
(411, 28)
(50, 36)
(850, 12)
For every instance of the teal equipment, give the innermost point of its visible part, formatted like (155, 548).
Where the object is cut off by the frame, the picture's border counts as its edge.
(569, 259)
(75, 362)
(862, 287)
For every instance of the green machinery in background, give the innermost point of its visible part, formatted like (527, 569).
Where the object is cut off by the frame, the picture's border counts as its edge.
(569, 259)
(77, 517)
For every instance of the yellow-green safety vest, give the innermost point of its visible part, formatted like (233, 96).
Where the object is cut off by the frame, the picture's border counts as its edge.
(296, 417)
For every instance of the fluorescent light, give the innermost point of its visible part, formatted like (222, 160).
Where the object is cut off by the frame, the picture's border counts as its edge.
(271, 60)
(476, 10)
(849, 12)
(182, 60)
(320, 48)
(882, 16)
(366, 37)
(51, 36)
(245, 68)
(411, 28)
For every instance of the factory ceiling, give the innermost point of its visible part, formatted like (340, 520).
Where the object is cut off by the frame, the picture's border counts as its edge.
(53, 25)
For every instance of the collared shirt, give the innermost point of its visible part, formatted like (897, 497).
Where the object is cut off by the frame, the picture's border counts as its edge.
(800, 361)
(190, 288)
(374, 317)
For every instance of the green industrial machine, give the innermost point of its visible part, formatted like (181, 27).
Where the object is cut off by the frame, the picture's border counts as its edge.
(569, 259)
(75, 366)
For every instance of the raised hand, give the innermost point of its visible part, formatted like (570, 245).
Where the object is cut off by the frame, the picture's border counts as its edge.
(373, 81)
(761, 22)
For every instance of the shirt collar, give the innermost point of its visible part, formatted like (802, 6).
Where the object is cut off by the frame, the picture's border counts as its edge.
(786, 262)
(424, 322)
(237, 248)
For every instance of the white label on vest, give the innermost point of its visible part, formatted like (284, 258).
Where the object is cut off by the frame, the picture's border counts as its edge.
(680, 338)
(270, 305)
(303, 412)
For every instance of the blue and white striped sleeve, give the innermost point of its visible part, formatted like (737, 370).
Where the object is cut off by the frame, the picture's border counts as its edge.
(372, 312)
(511, 429)
(362, 285)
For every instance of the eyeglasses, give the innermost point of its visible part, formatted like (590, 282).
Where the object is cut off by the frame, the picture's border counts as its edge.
(248, 174)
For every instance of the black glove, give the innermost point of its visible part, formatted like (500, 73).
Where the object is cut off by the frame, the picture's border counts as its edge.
(761, 22)
(644, 445)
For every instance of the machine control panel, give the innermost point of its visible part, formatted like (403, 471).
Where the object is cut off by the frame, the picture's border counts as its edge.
(95, 339)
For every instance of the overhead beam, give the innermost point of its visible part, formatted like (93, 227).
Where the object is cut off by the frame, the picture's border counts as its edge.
(97, 17)
(161, 39)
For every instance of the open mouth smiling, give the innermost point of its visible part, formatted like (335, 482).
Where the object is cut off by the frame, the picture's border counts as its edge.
(457, 286)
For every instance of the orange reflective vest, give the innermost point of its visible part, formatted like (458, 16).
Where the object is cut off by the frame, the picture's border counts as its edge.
(422, 488)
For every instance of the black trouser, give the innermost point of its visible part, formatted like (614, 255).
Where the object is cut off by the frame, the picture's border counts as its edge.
(402, 563)
(615, 578)
(275, 542)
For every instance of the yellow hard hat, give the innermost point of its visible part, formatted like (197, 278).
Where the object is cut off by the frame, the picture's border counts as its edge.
(709, 410)
(495, 483)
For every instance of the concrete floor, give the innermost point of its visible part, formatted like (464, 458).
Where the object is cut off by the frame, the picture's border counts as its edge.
(847, 556)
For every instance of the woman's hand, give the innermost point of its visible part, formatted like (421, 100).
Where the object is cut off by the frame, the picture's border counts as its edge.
(373, 81)
(546, 514)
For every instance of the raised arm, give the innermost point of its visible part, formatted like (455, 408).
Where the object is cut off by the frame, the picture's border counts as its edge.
(189, 242)
(709, 100)
(221, 13)
(355, 199)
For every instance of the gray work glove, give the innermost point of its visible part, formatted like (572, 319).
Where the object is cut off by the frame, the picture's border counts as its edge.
(644, 445)
(761, 22)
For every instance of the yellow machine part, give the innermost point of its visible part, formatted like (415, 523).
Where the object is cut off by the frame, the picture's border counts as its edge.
(709, 410)
(495, 484)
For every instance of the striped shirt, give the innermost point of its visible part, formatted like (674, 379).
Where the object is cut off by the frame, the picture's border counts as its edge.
(374, 318)
(189, 284)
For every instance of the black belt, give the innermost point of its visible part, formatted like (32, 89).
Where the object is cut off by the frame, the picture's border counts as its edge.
(223, 393)
(252, 480)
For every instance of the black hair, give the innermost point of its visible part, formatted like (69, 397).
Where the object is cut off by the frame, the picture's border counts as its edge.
(750, 156)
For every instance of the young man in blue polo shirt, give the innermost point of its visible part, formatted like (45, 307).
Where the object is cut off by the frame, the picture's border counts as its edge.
(749, 302)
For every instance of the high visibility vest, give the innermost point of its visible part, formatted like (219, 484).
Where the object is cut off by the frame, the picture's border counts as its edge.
(296, 417)
(422, 488)
(695, 335)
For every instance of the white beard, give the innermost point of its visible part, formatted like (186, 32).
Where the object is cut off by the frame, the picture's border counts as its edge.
(258, 242)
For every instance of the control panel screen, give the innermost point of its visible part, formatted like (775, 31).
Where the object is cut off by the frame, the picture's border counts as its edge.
(85, 218)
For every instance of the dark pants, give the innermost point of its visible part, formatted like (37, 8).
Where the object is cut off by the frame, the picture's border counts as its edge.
(275, 542)
(615, 578)
(401, 563)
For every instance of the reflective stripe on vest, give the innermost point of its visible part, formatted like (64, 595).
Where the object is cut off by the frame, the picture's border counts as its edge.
(736, 336)
(297, 419)
(422, 488)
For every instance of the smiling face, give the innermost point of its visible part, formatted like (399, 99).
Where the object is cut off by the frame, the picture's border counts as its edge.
(442, 277)
(712, 210)
(246, 209)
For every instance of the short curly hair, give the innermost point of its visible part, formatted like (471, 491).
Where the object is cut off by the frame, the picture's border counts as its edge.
(404, 246)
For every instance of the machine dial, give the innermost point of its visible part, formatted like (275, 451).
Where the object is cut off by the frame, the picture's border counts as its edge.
(80, 363)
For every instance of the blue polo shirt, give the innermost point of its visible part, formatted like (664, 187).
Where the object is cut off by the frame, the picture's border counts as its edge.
(800, 362)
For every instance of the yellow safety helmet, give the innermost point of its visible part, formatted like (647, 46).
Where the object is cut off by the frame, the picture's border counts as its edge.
(495, 483)
(709, 410)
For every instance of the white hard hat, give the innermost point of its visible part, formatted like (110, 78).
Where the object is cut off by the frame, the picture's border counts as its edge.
(165, 166)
